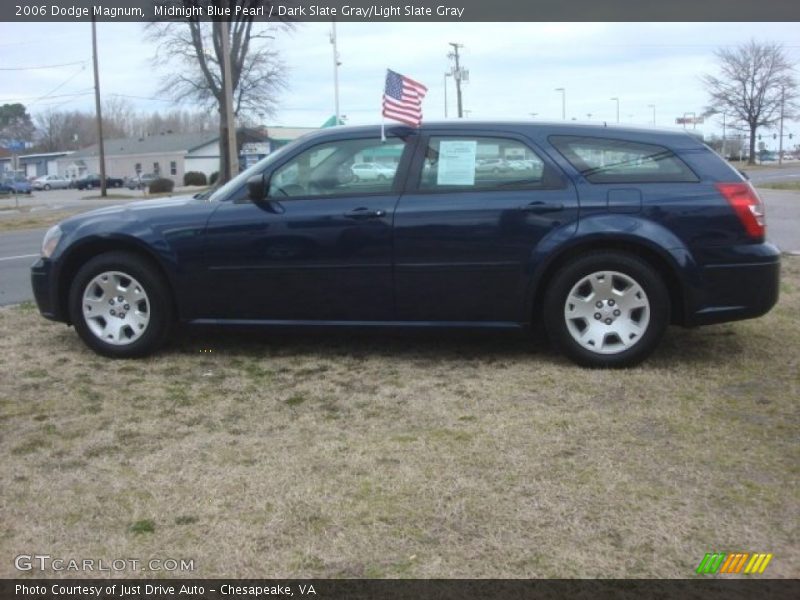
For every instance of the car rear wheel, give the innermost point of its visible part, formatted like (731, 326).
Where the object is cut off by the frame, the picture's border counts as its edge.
(46, 187)
(120, 305)
(609, 309)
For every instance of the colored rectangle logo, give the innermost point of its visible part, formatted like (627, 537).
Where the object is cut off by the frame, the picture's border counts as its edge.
(735, 563)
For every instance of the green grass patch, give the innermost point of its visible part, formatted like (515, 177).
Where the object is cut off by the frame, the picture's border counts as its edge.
(144, 526)
(793, 186)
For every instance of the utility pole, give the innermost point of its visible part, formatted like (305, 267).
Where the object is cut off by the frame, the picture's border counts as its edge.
(780, 134)
(336, 64)
(617, 101)
(457, 77)
(227, 90)
(723, 134)
(653, 106)
(101, 147)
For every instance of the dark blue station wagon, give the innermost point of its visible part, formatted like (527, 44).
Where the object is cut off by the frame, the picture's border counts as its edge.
(603, 235)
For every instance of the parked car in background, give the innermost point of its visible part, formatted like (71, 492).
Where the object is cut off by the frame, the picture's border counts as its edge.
(140, 182)
(518, 165)
(372, 172)
(610, 236)
(93, 181)
(492, 165)
(17, 185)
(51, 182)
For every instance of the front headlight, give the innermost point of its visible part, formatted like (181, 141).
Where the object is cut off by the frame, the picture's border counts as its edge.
(51, 239)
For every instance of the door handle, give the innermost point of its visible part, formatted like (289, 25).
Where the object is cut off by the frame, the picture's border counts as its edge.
(364, 213)
(542, 207)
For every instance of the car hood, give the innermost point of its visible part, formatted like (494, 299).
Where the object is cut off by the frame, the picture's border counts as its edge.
(138, 209)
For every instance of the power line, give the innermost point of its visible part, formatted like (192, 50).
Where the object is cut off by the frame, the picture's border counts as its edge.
(59, 86)
(82, 92)
(82, 62)
(141, 97)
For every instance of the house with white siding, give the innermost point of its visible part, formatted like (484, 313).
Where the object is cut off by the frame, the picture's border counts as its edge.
(171, 155)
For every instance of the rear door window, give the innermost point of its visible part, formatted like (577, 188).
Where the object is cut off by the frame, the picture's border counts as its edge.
(479, 163)
(605, 160)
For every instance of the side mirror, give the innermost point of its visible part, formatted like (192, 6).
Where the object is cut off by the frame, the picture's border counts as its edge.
(257, 187)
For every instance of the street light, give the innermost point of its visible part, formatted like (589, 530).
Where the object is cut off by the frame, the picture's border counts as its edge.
(563, 103)
(617, 101)
(336, 64)
(446, 75)
(653, 106)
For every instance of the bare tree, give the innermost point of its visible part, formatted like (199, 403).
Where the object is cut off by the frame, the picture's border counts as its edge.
(58, 130)
(754, 80)
(258, 74)
(118, 117)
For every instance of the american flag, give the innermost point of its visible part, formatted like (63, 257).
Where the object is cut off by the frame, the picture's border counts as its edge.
(402, 99)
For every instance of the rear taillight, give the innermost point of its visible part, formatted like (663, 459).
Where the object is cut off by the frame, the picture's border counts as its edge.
(748, 207)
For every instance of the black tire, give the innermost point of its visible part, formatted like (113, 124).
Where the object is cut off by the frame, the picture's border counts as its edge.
(629, 266)
(159, 304)
(46, 187)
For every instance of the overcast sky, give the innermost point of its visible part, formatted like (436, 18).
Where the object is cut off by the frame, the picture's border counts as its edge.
(514, 68)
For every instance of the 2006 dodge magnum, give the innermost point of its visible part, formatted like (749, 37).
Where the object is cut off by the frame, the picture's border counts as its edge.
(604, 235)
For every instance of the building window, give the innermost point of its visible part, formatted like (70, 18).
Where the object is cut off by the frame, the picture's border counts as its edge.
(156, 168)
(173, 168)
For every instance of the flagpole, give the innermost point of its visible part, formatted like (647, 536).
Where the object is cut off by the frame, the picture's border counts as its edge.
(383, 119)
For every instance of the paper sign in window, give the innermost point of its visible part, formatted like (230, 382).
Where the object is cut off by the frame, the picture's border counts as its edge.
(456, 162)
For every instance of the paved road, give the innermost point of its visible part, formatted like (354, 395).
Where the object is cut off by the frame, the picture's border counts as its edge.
(19, 249)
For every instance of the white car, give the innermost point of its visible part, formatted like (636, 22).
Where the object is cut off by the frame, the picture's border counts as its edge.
(372, 172)
(51, 182)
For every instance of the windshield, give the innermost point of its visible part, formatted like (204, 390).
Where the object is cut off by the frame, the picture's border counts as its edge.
(221, 192)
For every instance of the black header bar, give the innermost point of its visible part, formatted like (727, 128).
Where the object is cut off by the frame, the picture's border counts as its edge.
(402, 10)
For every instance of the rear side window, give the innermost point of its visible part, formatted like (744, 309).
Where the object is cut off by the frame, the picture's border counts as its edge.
(602, 160)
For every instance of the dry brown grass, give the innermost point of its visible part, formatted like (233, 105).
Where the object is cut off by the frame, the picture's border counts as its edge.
(25, 219)
(328, 456)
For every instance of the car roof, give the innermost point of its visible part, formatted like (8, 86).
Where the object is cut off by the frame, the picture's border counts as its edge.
(550, 127)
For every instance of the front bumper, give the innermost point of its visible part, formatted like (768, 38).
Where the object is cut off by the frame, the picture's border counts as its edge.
(45, 291)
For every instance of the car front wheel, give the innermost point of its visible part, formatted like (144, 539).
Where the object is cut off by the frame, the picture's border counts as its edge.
(120, 305)
(608, 309)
